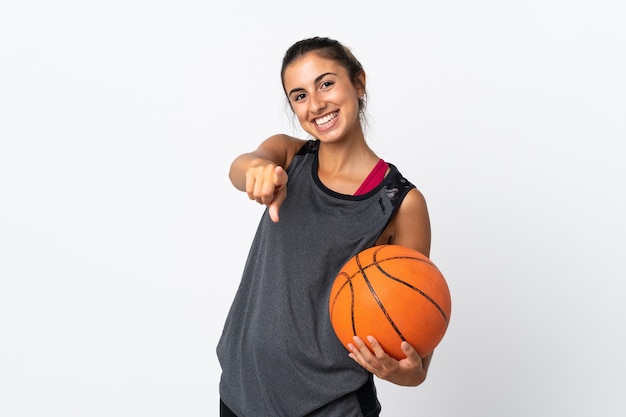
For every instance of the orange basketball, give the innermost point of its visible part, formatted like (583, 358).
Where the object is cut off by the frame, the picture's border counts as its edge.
(393, 293)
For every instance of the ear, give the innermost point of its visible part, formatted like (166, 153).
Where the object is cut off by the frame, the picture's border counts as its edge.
(360, 84)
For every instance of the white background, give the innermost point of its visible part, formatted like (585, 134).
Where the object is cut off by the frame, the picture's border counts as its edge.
(122, 240)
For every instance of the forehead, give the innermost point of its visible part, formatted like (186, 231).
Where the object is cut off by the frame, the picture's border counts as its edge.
(310, 66)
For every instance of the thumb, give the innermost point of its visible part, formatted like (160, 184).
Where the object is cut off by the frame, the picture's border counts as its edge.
(280, 193)
(410, 352)
(280, 177)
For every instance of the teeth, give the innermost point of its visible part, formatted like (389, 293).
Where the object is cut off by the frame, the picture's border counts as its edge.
(325, 119)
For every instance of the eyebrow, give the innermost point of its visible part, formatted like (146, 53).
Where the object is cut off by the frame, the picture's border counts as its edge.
(317, 80)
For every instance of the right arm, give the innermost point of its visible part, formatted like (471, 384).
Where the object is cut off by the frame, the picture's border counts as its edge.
(261, 173)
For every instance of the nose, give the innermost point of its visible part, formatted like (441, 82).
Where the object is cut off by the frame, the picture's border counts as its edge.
(318, 103)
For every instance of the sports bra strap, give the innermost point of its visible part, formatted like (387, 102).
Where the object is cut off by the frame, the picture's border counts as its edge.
(374, 178)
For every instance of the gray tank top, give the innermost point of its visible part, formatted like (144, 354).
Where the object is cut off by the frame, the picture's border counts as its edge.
(278, 351)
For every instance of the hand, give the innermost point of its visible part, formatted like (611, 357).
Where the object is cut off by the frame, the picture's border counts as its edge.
(410, 371)
(267, 184)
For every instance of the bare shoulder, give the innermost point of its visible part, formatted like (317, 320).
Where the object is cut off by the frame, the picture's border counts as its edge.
(414, 202)
(411, 224)
(282, 140)
(280, 147)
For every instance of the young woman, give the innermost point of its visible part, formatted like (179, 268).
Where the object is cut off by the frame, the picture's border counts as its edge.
(327, 198)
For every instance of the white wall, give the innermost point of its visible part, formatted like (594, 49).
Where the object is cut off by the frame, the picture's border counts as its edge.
(122, 241)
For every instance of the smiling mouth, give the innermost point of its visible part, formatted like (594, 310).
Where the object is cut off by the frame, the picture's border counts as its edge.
(322, 121)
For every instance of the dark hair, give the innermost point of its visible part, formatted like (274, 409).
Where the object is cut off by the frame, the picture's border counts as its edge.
(329, 49)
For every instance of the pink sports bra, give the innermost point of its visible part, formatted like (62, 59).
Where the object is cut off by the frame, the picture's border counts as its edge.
(374, 178)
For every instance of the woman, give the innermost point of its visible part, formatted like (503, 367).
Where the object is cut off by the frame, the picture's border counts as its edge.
(327, 199)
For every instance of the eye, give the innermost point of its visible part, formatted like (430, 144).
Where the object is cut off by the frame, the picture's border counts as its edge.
(299, 97)
(326, 84)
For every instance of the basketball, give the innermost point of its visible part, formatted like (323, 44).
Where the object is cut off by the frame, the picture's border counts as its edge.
(393, 293)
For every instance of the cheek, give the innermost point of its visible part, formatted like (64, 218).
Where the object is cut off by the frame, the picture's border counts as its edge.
(301, 114)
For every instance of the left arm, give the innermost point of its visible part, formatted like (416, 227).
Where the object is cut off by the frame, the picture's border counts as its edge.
(410, 227)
